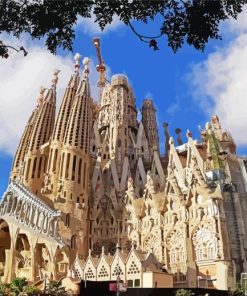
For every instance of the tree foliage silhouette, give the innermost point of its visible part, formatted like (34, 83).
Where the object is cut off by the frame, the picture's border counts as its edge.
(183, 21)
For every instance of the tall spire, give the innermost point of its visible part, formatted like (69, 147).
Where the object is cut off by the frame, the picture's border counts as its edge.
(51, 184)
(73, 171)
(150, 124)
(79, 115)
(43, 125)
(25, 139)
(100, 67)
(64, 112)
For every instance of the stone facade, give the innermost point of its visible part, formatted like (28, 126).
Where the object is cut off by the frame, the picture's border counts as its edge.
(93, 177)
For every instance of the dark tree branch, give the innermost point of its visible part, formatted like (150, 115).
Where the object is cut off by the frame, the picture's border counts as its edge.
(4, 50)
(194, 22)
(143, 37)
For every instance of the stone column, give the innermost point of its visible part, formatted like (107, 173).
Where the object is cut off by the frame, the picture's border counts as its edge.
(30, 215)
(25, 212)
(35, 218)
(17, 206)
(22, 205)
(13, 205)
(55, 229)
(45, 224)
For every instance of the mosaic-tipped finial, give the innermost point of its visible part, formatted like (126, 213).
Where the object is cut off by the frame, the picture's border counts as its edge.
(55, 79)
(171, 141)
(86, 62)
(179, 139)
(208, 126)
(41, 95)
(77, 57)
(188, 134)
(165, 124)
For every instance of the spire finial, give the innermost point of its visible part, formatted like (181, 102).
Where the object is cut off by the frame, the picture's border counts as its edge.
(41, 95)
(167, 137)
(54, 79)
(85, 62)
(189, 134)
(179, 139)
(171, 141)
(77, 57)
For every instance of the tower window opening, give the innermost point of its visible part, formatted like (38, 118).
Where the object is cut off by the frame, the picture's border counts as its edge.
(54, 161)
(61, 169)
(78, 199)
(39, 168)
(34, 167)
(79, 171)
(67, 166)
(73, 168)
(49, 164)
(73, 242)
(67, 220)
(84, 175)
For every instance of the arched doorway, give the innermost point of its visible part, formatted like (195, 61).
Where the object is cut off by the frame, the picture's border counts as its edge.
(43, 266)
(23, 261)
(5, 243)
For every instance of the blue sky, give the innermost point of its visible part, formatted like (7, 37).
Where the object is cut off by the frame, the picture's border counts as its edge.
(187, 87)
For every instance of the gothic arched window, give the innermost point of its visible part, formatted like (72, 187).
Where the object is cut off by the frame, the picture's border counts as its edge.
(205, 243)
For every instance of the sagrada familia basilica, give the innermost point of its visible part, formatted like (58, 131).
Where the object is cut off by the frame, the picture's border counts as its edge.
(91, 197)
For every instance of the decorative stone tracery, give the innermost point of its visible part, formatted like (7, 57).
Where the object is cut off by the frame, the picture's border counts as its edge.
(205, 243)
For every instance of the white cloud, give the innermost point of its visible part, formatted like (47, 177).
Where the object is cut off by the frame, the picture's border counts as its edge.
(173, 108)
(238, 26)
(89, 27)
(21, 78)
(220, 82)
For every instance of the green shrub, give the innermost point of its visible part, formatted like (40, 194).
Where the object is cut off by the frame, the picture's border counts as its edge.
(31, 291)
(55, 288)
(238, 292)
(183, 292)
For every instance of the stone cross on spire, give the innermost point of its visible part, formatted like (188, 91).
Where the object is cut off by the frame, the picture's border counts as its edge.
(54, 79)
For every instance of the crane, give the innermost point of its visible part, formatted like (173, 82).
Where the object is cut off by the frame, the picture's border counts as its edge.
(101, 66)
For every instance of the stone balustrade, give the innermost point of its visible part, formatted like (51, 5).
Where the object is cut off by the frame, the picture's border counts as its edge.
(27, 209)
